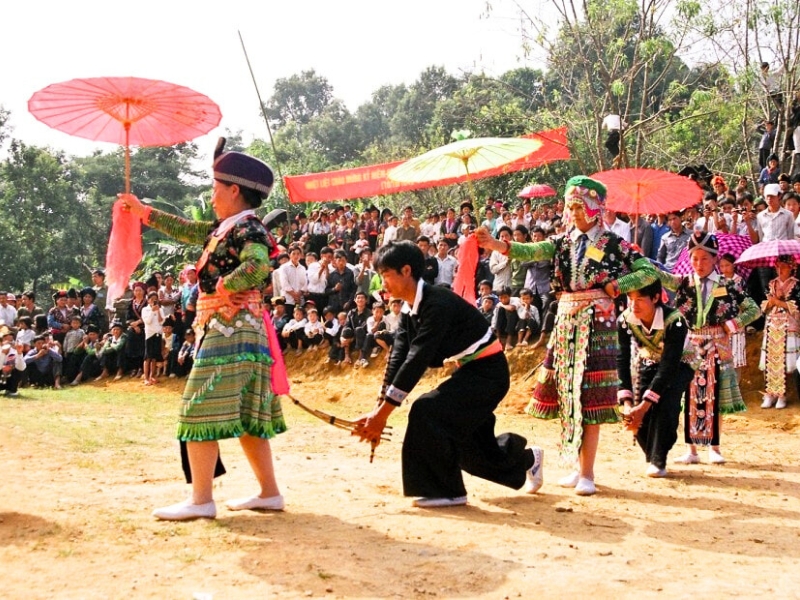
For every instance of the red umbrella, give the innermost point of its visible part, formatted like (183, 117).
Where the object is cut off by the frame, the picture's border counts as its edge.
(764, 254)
(729, 243)
(537, 190)
(127, 111)
(648, 191)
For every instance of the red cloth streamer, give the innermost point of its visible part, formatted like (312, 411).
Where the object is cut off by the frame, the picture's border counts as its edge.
(124, 251)
(464, 282)
(280, 380)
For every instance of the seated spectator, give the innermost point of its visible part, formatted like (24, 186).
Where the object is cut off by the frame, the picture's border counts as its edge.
(355, 329)
(314, 331)
(486, 306)
(293, 332)
(506, 318)
(529, 324)
(484, 291)
(171, 345)
(280, 319)
(41, 361)
(89, 367)
(185, 358)
(25, 333)
(12, 362)
(112, 352)
(378, 336)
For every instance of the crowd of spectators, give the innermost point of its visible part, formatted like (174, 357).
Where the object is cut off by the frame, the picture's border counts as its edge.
(325, 296)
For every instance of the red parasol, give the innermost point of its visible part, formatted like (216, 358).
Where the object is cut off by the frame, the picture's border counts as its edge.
(729, 243)
(648, 191)
(537, 190)
(764, 254)
(126, 111)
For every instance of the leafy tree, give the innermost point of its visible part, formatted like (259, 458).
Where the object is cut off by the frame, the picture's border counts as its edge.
(299, 98)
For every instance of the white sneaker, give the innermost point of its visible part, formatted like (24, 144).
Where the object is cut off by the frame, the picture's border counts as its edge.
(186, 510)
(715, 458)
(439, 502)
(375, 352)
(781, 403)
(257, 503)
(534, 478)
(570, 481)
(654, 471)
(768, 401)
(688, 459)
(585, 487)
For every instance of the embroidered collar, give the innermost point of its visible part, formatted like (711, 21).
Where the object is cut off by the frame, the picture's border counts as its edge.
(714, 278)
(592, 234)
(226, 225)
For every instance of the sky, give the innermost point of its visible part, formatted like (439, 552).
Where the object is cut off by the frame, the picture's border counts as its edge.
(357, 45)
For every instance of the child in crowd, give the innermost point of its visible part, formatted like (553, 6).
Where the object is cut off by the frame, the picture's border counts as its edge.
(293, 331)
(280, 319)
(377, 338)
(529, 323)
(506, 318)
(153, 318)
(25, 333)
(487, 307)
(90, 365)
(333, 327)
(12, 363)
(314, 331)
(111, 353)
(73, 351)
(485, 291)
(185, 358)
(355, 330)
(738, 340)
(170, 346)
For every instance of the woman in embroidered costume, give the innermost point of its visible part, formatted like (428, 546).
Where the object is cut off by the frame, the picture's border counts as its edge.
(738, 339)
(591, 267)
(714, 308)
(781, 332)
(229, 389)
(655, 367)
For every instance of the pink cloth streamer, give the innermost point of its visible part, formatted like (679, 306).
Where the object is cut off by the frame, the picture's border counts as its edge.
(124, 251)
(280, 380)
(464, 282)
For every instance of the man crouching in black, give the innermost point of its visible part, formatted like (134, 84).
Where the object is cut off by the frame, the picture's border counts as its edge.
(450, 428)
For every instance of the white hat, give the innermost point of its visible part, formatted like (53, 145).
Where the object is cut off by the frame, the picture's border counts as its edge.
(772, 189)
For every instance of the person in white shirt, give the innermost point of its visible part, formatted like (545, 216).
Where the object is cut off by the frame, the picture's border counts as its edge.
(447, 265)
(294, 331)
(314, 330)
(390, 233)
(152, 318)
(8, 314)
(317, 272)
(616, 225)
(294, 284)
(500, 264)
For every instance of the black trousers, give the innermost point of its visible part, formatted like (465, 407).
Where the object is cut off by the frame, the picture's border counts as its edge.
(659, 430)
(451, 429)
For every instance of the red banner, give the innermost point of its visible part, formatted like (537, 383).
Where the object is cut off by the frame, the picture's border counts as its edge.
(372, 180)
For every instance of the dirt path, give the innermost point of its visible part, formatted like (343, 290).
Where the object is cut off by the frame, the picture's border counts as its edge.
(81, 477)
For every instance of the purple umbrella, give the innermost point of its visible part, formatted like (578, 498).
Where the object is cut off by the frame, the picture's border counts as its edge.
(764, 254)
(729, 243)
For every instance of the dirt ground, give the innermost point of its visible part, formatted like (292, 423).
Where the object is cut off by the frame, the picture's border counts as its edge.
(82, 472)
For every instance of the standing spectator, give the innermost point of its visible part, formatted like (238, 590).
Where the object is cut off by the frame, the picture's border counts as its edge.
(660, 227)
(616, 225)
(390, 233)
(135, 344)
(781, 332)
(189, 294)
(673, 242)
(519, 268)
(41, 361)
(341, 284)
(363, 273)
(28, 307)
(58, 317)
(407, 230)
(294, 284)
(90, 313)
(355, 330)
(8, 313)
(537, 278)
(317, 275)
(152, 320)
(449, 228)
(499, 263)
(169, 297)
(770, 173)
(447, 265)
(775, 223)
(431, 262)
